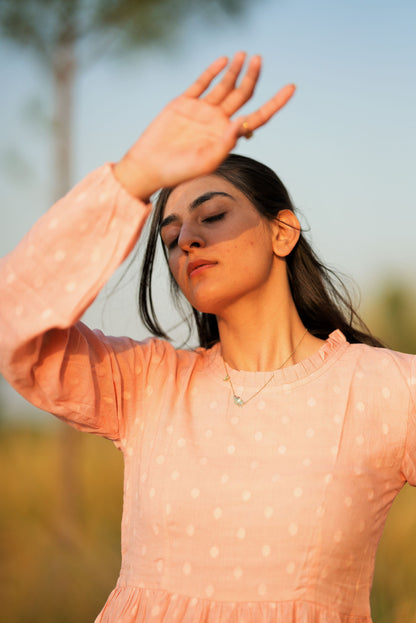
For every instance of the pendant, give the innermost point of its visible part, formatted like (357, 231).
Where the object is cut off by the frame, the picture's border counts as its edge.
(238, 401)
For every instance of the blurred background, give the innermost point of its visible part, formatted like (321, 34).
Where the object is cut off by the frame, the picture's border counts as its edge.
(80, 80)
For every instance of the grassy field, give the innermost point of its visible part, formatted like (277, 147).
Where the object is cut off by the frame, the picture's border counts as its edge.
(60, 533)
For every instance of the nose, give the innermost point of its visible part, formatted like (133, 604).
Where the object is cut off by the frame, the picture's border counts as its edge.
(189, 237)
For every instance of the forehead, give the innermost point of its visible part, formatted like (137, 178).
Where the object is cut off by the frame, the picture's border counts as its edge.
(183, 195)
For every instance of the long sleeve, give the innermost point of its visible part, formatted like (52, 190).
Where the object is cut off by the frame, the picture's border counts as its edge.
(46, 284)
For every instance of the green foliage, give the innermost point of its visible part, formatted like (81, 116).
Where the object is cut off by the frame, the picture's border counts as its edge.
(46, 25)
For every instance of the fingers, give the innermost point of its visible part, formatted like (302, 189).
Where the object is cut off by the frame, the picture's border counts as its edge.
(228, 82)
(202, 83)
(239, 96)
(262, 115)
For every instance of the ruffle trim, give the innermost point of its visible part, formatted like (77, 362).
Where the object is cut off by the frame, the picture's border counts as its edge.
(129, 604)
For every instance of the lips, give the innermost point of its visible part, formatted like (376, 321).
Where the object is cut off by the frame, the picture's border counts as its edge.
(198, 264)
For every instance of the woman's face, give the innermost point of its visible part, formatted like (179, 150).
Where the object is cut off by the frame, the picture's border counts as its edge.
(220, 249)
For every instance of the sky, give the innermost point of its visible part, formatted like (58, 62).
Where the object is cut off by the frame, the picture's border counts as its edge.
(344, 146)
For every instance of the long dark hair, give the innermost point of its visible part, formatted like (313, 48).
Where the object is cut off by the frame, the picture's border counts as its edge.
(320, 296)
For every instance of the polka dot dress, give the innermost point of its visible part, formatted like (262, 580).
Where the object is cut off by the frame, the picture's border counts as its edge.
(266, 513)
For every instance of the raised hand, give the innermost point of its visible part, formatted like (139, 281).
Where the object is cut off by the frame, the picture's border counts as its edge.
(195, 132)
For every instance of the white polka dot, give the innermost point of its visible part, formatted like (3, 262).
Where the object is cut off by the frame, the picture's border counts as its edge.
(237, 572)
(359, 374)
(412, 380)
(152, 492)
(81, 197)
(144, 550)
(360, 440)
(60, 255)
(262, 589)
(169, 429)
(235, 420)
(71, 286)
(193, 602)
(254, 464)
(311, 402)
(385, 429)
(370, 494)
(328, 478)
(258, 436)
(160, 566)
(129, 451)
(386, 392)
(11, 278)
(298, 492)
(103, 197)
(293, 529)
(307, 462)
(190, 530)
(231, 449)
(126, 395)
(266, 551)
(290, 568)
(275, 477)
(168, 509)
(310, 433)
(334, 450)
(195, 493)
(337, 418)
(225, 478)
(268, 512)
(285, 419)
(95, 255)
(360, 406)
(175, 474)
(155, 611)
(213, 405)
(160, 459)
(336, 389)
(214, 551)
(261, 405)
(209, 590)
(348, 501)
(143, 477)
(30, 251)
(217, 513)
(282, 449)
(241, 533)
(338, 536)
(208, 433)
(181, 442)
(149, 392)
(53, 223)
(187, 568)
(47, 313)
(246, 495)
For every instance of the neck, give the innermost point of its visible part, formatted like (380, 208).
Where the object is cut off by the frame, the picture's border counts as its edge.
(262, 337)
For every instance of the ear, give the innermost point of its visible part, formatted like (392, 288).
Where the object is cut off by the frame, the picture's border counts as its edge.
(286, 230)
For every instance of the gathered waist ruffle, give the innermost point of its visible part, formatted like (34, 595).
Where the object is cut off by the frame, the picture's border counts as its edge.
(130, 604)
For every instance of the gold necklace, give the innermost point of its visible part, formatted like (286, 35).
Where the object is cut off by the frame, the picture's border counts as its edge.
(237, 399)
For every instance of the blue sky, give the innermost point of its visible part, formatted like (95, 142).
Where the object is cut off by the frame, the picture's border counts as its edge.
(345, 145)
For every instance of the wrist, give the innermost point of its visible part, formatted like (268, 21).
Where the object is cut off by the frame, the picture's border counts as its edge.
(135, 179)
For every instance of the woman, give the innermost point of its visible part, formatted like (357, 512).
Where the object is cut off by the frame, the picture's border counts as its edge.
(259, 468)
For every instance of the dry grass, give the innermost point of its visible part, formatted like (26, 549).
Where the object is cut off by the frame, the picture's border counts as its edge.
(60, 560)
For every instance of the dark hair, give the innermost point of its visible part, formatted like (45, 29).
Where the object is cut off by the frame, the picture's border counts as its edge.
(321, 298)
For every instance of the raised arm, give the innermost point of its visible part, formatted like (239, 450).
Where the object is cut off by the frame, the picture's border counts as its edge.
(55, 273)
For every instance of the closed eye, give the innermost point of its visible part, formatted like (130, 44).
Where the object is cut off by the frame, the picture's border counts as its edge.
(215, 217)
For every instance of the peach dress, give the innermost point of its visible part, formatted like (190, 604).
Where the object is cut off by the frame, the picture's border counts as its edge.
(269, 513)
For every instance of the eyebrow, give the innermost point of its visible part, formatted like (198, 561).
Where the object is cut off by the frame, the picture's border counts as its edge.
(194, 204)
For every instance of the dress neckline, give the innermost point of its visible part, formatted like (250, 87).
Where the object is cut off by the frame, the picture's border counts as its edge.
(333, 347)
